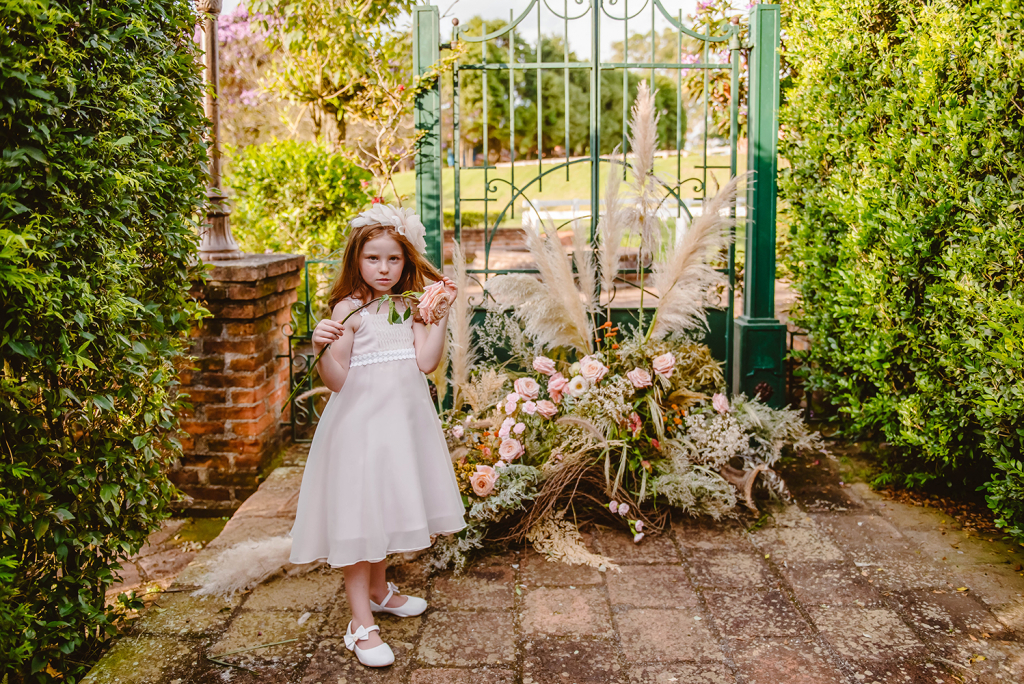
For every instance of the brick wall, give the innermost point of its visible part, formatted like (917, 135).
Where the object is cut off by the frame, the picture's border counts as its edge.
(237, 385)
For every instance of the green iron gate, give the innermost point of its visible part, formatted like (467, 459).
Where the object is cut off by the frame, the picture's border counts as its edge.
(751, 345)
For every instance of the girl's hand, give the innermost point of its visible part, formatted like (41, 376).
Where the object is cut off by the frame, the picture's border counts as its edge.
(449, 285)
(326, 332)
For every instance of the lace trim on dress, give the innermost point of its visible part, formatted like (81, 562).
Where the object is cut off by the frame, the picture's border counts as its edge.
(382, 357)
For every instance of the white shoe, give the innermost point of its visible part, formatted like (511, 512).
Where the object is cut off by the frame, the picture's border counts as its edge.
(412, 607)
(378, 656)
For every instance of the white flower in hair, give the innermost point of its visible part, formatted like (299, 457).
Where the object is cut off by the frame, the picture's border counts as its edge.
(405, 221)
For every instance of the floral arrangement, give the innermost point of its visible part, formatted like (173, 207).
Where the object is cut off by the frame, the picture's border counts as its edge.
(593, 420)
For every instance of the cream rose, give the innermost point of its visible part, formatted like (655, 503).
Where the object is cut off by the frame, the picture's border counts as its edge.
(592, 369)
(527, 388)
(546, 408)
(639, 377)
(529, 407)
(557, 385)
(458, 431)
(483, 480)
(664, 364)
(510, 449)
(578, 386)
(434, 303)
(544, 365)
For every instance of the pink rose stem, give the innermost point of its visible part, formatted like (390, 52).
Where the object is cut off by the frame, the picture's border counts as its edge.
(312, 366)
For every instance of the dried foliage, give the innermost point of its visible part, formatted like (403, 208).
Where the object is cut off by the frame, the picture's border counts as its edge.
(560, 540)
(462, 349)
(683, 274)
(643, 141)
(484, 390)
(613, 227)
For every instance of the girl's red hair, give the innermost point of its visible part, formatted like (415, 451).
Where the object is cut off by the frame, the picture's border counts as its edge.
(350, 282)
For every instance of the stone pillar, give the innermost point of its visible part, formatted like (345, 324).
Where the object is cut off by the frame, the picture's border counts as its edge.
(239, 381)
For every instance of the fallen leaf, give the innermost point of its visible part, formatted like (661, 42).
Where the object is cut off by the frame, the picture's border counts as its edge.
(961, 588)
(972, 637)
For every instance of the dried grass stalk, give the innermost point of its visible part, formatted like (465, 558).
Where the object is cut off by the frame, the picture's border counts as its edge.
(460, 336)
(683, 275)
(560, 540)
(643, 141)
(586, 267)
(485, 390)
(554, 313)
(613, 227)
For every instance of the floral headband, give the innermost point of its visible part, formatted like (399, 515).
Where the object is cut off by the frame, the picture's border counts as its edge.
(405, 221)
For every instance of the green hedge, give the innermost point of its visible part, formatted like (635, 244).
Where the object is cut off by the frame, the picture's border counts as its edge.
(904, 130)
(102, 177)
(292, 196)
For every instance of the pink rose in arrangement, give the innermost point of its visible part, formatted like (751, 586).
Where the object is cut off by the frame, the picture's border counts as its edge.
(637, 537)
(434, 303)
(510, 449)
(544, 365)
(639, 377)
(458, 431)
(483, 480)
(506, 427)
(634, 424)
(546, 408)
(639, 525)
(511, 402)
(613, 506)
(557, 386)
(664, 364)
(519, 428)
(720, 403)
(623, 508)
(501, 464)
(530, 407)
(527, 388)
(592, 369)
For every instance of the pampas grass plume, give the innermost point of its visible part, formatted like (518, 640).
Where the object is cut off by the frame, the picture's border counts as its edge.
(245, 565)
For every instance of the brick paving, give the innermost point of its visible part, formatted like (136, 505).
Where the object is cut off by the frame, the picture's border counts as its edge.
(842, 587)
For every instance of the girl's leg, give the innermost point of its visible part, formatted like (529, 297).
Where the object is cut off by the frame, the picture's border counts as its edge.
(357, 587)
(379, 585)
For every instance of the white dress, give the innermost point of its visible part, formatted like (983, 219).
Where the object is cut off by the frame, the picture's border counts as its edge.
(378, 479)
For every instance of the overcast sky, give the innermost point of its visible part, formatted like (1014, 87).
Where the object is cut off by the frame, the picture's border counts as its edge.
(579, 30)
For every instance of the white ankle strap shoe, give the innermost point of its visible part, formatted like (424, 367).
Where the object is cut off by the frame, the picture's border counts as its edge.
(378, 656)
(412, 607)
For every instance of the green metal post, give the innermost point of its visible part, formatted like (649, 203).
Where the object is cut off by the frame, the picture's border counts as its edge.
(760, 339)
(426, 49)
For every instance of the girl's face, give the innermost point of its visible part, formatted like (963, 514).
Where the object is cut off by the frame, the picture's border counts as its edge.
(381, 263)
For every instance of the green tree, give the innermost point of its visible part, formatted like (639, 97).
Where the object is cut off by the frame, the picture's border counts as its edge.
(325, 49)
(103, 180)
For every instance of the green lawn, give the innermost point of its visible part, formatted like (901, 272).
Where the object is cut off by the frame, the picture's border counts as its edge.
(556, 185)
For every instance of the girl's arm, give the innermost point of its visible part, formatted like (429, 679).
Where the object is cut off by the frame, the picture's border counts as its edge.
(429, 339)
(333, 366)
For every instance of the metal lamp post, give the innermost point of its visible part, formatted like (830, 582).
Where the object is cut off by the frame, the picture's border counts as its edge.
(217, 243)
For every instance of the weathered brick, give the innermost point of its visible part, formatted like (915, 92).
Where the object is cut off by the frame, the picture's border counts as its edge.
(243, 395)
(208, 493)
(246, 345)
(207, 364)
(235, 479)
(198, 396)
(243, 493)
(253, 427)
(240, 446)
(183, 477)
(246, 379)
(202, 428)
(251, 362)
(250, 412)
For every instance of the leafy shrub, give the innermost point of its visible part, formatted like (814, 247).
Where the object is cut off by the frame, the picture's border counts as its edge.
(103, 176)
(905, 133)
(289, 196)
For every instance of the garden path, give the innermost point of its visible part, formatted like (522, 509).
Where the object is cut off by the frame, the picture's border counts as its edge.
(843, 587)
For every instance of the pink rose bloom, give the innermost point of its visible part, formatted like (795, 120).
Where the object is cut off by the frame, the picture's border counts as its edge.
(483, 480)
(639, 525)
(544, 365)
(434, 303)
(546, 408)
(530, 407)
(639, 377)
(506, 427)
(720, 403)
(664, 364)
(510, 407)
(527, 388)
(623, 508)
(613, 506)
(512, 397)
(458, 431)
(637, 537)
(519, 428)
(592, 369)
(557, 386)
(510, 449)
(501, 464)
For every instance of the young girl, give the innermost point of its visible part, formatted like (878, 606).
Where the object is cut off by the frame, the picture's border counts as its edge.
(379, 478)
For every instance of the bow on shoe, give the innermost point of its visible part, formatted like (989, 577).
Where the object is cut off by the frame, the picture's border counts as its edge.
(361, 634)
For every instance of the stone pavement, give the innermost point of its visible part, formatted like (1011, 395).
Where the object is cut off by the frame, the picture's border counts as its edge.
(844, 587)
